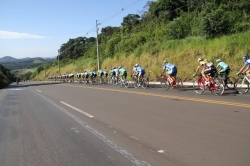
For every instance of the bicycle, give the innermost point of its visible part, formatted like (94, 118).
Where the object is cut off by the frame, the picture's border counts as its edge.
(143, 82)
(167, 82)
(94, 80)
(115, 80)
(124, 82)
(216, 86)
(228, 81)
(242, 84)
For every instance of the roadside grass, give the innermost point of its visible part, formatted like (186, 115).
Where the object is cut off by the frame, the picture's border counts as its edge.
(183, 53)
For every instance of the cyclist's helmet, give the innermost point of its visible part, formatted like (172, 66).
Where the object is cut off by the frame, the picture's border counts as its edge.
(218, 60)
(114, 68)
(165, 61)
(136, 65)
(200, 59)
(245, 56)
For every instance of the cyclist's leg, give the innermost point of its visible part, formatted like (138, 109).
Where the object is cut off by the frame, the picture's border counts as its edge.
(248, 73)
(205, 74)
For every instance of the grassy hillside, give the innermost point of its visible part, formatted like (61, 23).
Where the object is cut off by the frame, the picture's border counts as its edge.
(183, 53)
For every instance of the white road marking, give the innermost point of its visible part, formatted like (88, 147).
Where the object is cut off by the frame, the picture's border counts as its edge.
(38, 91)
(15, 89)
(161, 151)
(102, 137)
(78, 110)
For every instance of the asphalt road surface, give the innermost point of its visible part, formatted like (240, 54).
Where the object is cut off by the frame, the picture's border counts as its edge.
(61, 124)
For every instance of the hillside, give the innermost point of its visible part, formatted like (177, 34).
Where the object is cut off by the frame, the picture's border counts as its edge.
(24, 63)
(179, 31)
(8, 59)
(183, 53)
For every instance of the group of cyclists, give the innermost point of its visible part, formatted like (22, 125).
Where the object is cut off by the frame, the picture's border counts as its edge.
(169, 69)
(209, 69)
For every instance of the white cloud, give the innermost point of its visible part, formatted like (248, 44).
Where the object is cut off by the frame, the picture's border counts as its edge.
(17, 35)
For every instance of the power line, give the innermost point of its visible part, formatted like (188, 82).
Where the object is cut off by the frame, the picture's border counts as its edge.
(93, 29)
(122, 9)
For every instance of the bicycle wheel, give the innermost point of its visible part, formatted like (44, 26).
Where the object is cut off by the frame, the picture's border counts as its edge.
(179, 84)
(136, 84)
(144, 83)
(219, 87)
(241, 85)
(165, 84)
(162, 81)
(230, 83)
(125, 83)
(199, 87)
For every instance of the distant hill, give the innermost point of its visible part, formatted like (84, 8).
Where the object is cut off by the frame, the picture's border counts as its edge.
(24, 63)
(11, 59)
(8, 59)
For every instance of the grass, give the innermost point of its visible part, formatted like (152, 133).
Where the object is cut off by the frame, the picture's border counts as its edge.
(183, 53)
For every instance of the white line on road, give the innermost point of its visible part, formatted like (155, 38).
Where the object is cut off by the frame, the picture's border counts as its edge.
(110, 143)
(78, 110)
(38, 91)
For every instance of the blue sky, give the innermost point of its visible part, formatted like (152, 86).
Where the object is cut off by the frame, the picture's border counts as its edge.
(37, 28)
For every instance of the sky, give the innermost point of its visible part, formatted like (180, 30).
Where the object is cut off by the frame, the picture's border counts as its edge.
(37, 28)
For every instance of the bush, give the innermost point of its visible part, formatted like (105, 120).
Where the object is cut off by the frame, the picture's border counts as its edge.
(178, 29)
(215, 24)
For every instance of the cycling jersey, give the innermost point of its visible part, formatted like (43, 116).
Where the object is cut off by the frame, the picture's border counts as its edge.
(170, 69)
(247, 63)
(100, 73)
(86, 75)
(122, 71)
(140, 71)
(78, 75)
(224, 67)
(116, 72)
(105, 73)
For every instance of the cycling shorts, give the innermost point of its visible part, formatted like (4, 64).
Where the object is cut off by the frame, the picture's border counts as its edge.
(210, 71)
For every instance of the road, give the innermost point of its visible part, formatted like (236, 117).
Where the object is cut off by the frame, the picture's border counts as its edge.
(61, 124)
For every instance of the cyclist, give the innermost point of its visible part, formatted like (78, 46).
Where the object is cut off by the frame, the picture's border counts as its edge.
(171, 70)
(91, 74)
(100, 73)
(112, 73)
(105, 73)
(224, 67)
(116, 73)
(208, 69)
(139, 72)
(85, 76)
(122, 72)
(246, 66)
(78, 75)
(94, 74)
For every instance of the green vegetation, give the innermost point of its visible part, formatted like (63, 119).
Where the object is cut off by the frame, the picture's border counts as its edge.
(180, 31)
(5, 77)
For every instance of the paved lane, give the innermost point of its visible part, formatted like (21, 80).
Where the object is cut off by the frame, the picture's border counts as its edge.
(136, 127)
(36, 131)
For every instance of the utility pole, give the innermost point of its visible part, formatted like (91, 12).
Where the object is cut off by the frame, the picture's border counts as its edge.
(59, 62)
(97, 49)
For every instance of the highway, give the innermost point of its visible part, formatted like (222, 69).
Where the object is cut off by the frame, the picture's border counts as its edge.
(61, 124)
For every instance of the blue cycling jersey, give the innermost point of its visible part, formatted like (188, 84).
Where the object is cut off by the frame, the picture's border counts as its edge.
(247, 63)
(169, 66)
